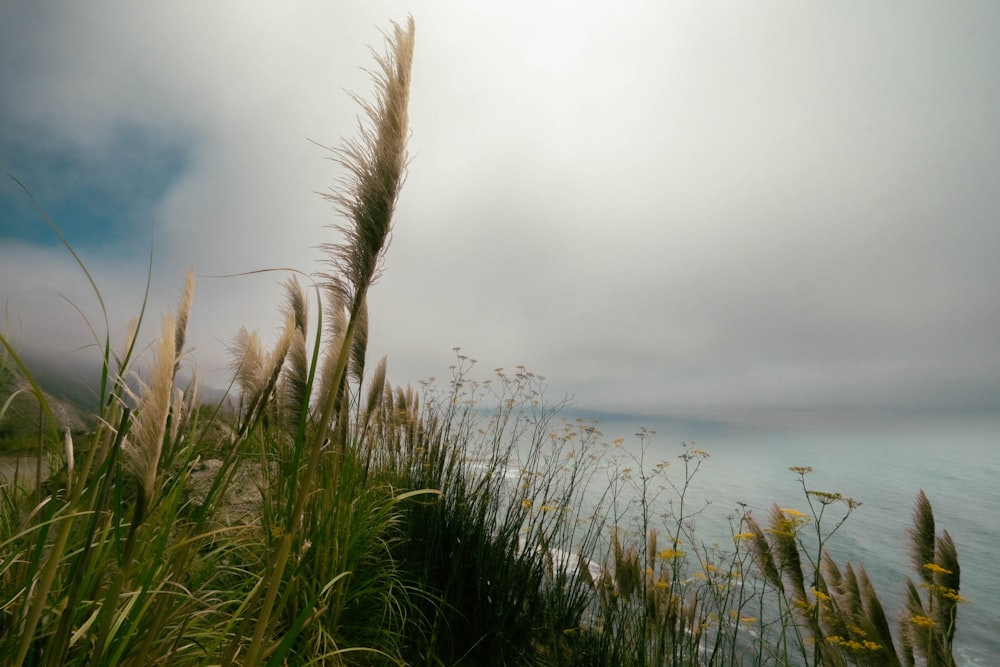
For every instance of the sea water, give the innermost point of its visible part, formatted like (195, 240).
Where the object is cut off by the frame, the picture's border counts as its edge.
(955, 462)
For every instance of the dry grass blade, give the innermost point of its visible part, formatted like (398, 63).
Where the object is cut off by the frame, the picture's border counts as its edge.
(359, 345)
(877, 623)
(760, 549)
(375, 165)
(247, 366)
(783, 532)
(922, 537)
(376, 390)
(142, 455)
(947, 578)
(295, 382)
(183, 312)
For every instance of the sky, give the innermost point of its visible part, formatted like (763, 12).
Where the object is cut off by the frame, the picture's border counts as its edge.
(751, 213)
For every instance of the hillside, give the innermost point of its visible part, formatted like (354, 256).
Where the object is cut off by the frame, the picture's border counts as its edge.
(72, 403)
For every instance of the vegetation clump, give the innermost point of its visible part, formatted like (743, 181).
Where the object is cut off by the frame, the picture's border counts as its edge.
(445, 525)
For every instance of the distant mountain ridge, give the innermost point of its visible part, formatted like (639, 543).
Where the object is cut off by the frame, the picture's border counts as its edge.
(71, 388)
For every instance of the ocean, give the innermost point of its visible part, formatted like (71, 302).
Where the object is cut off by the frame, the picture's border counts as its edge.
(955, 462)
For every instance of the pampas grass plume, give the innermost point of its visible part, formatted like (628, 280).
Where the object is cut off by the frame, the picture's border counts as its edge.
(145, 445)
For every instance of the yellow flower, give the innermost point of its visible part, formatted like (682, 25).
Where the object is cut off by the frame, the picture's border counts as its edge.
(668, 554)
(748, 619)
(923, 621)
(825, 497)
(937, 569)
(791, 512)
(743, 536)
(526, 503)
(952, 595)
(547, 508)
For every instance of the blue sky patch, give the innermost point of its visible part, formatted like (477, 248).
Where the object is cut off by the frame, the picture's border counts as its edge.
(97, 197)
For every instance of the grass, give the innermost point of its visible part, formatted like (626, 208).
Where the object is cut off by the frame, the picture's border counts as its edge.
(346, 521)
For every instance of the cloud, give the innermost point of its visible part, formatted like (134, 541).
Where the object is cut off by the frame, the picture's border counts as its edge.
(662, 208)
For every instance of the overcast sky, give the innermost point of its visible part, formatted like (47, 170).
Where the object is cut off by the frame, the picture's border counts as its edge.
(725, 210)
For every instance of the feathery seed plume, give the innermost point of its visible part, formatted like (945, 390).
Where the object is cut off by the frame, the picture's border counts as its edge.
(146, 437)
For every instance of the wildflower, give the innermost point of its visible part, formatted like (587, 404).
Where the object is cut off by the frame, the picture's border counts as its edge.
(526, 503)
(779, 533)
(825, 497)
(923, 621)
(547, 508)
(671, 554)
(661, 584)
(742, 536)
(937, 569)
(953, 595)
(820, 595)
(794, 513)
(944, 591)
(801, 470)
(748, 619)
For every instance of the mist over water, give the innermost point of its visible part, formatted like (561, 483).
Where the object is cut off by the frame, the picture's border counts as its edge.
(955, 462)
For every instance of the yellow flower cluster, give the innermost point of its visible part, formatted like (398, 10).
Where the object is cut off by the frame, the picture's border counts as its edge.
(944, 592)
(937, 569)
(793, 513)
(853, 644)
(820, 595)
